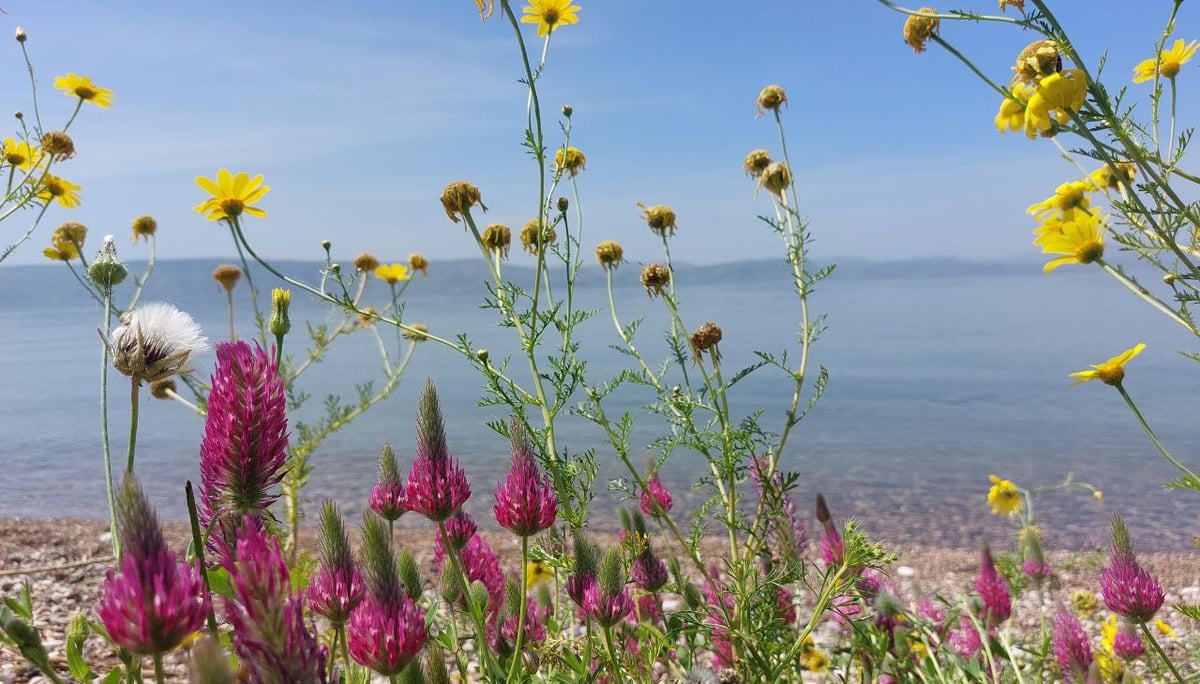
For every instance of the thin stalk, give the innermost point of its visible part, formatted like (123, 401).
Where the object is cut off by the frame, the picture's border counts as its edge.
(1153, 437)
(1161, 654)
(104, 444)
(141, 282)
(229, 311)
(37, 114)
(345, 651)
(612, 652)
(485, 654)
(516, 659)
(259, 321)
(159, 675)
(198, 545)
(1147, 296)
(134, 385)
(195, 409)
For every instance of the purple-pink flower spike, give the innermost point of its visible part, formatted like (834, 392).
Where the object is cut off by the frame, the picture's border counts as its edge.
(387, 631)
(245, 438)
(437, 485)
(525, 501)
(1129, 589)
(337, 587)
(153, 602)
(831, 541)
(993, 589)
(655, 493)
(387, 498)
(1071, 647)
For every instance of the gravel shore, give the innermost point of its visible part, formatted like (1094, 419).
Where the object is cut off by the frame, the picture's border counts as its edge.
(65, 562)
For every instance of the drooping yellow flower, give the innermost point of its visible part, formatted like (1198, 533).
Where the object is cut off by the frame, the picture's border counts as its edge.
(918, 28)
(485, 8)
(83, 88)
(19, 154)
(1055, 98)
(1005, 4)
(1105, 178)
(58, 189)
(61, 251)
(1011, 117)
(1003, 497)
(392, 273)
(1168, 63)
(232, 195)
(1164, 629)
(1112, 371)
(1081, 241)
(1068, 200)
(550, 14)
(569, 159)
(537, 572)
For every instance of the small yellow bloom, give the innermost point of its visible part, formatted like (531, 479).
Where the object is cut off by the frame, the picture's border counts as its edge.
(19, 154)
(1081, 241)
(1083, 602)
(1003, 497)
(1068, 200)
(61, 251)
(1104, 177)
(393, 273)
(918, 28)
(1108, 633)
(1011, 117)
(569, 159)
(550, 14)
(1098, 496)
(815, 661)
(1164, 629)
(1168, 63)
(1055, 98)
(232, 195)
(83, 88)
(58, 189)
(1112, 371)
(537, 572)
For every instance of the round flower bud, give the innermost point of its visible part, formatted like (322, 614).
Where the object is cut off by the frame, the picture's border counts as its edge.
(567, 111)
(58, 145)
(458, 198)
(20, 35)
(533, 239)
(325, 245)
(562, 204)
(756, 162)
(482, 354)
(771, 99)
(706, 339)
(776, 178)
(281, 300)
(918, 28)
(660, 218)
(569, 159)
(496, 238)
(144, 227)
(227, 275)
(655, 277)
(1169, 278)
(162, 389)
(106, 270)
(418, 262)
(1038, 60)
(417, 332)
(366, 262)
(610, 254)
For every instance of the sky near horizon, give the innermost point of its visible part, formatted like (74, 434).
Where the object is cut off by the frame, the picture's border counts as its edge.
(358, 114)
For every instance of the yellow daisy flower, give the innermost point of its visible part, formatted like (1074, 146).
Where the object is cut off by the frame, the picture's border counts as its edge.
(1112, 371)
(537, 572)
(1011, 117)
(1168, 63)
(392, 273)
(1055, 98)
(550, 14)
(19, 154)
(61, 251)
(1003, 497)
(1067, 200)
(1081, 241)
(232, 195)
(815, 661)
(58, 189)
(83, 88)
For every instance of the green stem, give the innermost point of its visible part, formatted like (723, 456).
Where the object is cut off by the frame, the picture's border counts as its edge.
(229, 311)
(345, 651)
(104, 445)
(516, 658)
(236, 227)
(134, 386)
(198, 546)
(485, 654)
(1146, 296)
(612, 653)
(159, 675)
(1154, 438)
(1161, 654)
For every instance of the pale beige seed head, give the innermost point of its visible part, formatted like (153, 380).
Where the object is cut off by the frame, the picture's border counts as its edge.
(660, 218)
(71, 232)
(144, 227)
(533, 238)
(771, 98)
(366, 262)
(610, 254)
(458, 198)
(496, 238)
(418, 262)
(227, 275)
(776, 178)
(162, 389)
(705, 339)
(756, 162)
(655, 277)
(58, 145)
(417, 332)
(1038, 60)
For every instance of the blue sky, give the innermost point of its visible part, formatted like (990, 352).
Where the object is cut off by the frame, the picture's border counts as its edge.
(359, 113)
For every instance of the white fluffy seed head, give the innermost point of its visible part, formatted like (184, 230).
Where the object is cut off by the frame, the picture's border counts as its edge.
(155, 342)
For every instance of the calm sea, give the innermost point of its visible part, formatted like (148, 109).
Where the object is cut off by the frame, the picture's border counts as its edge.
(940, 373)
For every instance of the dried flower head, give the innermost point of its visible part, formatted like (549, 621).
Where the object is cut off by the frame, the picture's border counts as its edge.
(143, 228)
(655, 277)
(71, 233)
(535, 235)
(417, 332)
(227, 275)
(919, 27)
(58, 145)
(366, 262)
(163, 389)
(155, 341)
(1106, 178)
(1037, 60)
(771, 99)
(660, 218)
(496, 238)
(706, 338)
(776, 178)
(418, 262)
(1005, 4)
(610, 254)
(756, 162)
(569, 159)
(458, 198)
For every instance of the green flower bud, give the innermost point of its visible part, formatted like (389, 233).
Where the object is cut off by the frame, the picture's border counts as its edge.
(106, 269)
(281, 299)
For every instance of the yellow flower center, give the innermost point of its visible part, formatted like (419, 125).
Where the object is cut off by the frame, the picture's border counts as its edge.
(1089, 251)
(1169, 69)
(1072, 199)
(55, 188)
(232, 207)
(85, 93)
(1110, 375)
(14, 159)
(550, 16)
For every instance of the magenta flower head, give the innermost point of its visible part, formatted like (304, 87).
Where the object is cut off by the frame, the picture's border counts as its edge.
(387, 498)
(1128, 644)
(269, 633)
(337, 587)
(608, 600)
(525, 501)
(1071, 647)
(154, 601)
(245, 440)
(387, 631)
(437, 485)
(648, 571)
(586, 556)
(993, 589)
(831, 541)
(655, 499)
(1129, 589)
